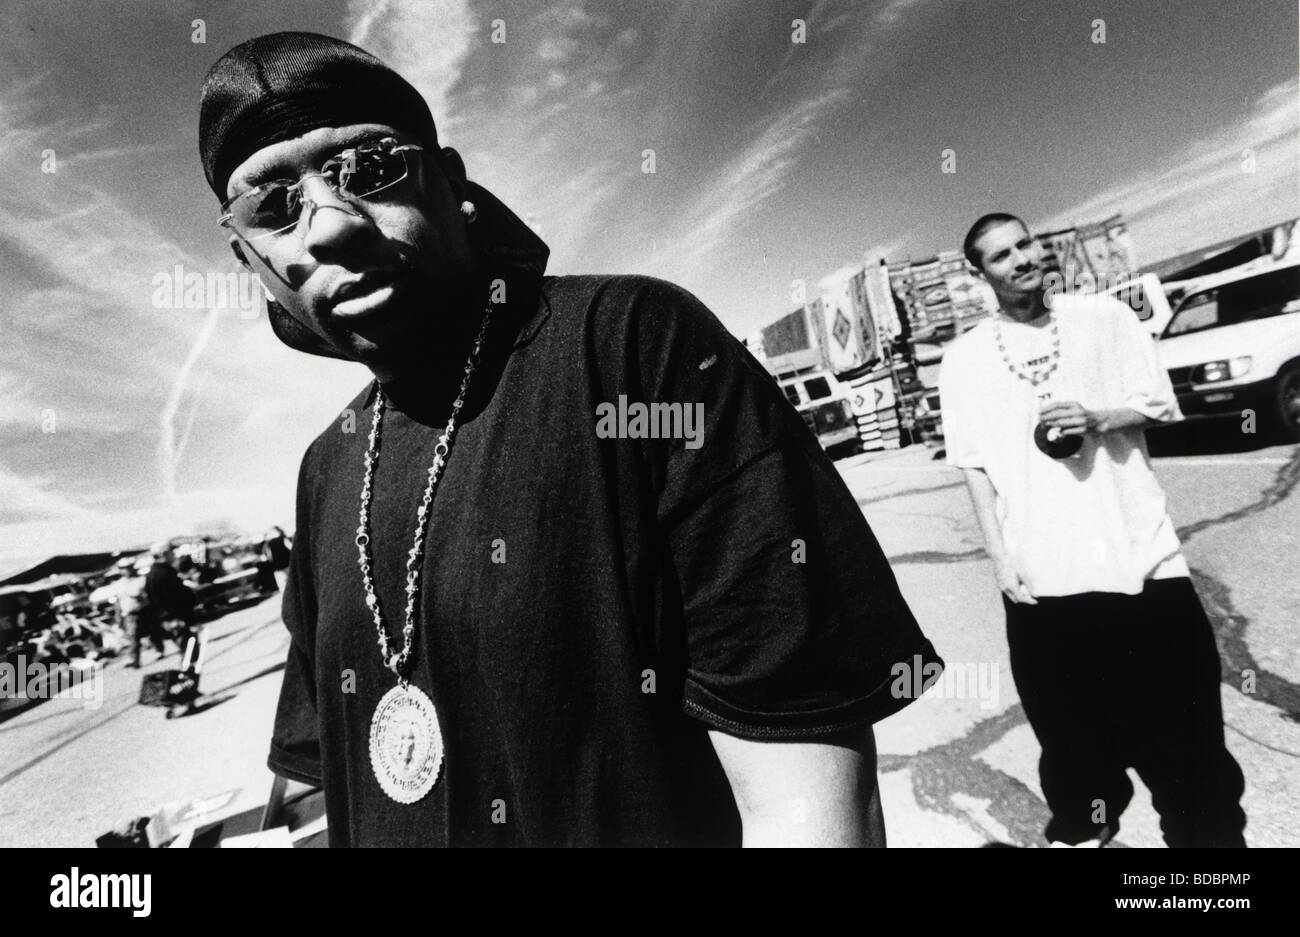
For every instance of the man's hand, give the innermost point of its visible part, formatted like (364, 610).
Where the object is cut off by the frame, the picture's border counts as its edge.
(1072, 419)
(1004, 571)
(805, 793)
(1009, 581)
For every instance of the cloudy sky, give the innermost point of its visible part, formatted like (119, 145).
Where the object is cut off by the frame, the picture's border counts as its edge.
(121, 422)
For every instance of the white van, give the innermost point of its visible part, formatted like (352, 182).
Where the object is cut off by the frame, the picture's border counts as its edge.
(823, 402)
(1235, 346)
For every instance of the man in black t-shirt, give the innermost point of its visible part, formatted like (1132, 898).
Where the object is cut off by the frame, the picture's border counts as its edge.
(570, 570)
(165, 598)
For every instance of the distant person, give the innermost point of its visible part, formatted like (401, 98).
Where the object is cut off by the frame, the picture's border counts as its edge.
(277, 544)
(167, 598)
(134, 620)
(273, 562)
(1044, 407)
(15, 628)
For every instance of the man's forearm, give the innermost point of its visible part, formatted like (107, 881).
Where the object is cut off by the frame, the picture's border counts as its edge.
(1073, 419)
(983, 500)
(1108, 421)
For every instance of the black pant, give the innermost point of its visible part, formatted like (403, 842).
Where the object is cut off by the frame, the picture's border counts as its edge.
(149, 624)
(1112, 681)
(147, 627)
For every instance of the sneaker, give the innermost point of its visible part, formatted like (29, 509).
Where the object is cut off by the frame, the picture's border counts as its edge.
(1096, 842)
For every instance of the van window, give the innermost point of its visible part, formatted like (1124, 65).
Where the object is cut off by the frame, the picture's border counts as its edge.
(1259, 297)
(791, 393)
(1201, 311)
(817, 388)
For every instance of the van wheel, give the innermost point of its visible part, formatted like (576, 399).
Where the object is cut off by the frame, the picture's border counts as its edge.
(1287, 396)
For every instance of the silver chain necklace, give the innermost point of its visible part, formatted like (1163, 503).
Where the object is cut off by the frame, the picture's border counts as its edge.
(1039, 375)
(405, 739)
(1051, 440)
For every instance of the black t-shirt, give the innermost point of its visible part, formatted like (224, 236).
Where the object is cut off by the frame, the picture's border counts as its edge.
(649, 591)
(277, 553)
(165, 591)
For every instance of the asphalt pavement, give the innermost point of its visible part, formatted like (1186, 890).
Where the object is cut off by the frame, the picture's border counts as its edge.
(957, 768)
(960, 768)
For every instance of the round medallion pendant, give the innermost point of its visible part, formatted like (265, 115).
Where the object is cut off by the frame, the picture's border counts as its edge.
(406, 744)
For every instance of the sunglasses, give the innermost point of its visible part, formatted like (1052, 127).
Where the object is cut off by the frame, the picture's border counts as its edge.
(358, 172)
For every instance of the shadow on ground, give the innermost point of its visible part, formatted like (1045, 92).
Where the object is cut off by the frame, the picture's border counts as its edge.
(1221, 435)
(202, 704)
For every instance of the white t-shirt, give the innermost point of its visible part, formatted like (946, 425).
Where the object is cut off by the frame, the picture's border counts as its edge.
(1096, 522)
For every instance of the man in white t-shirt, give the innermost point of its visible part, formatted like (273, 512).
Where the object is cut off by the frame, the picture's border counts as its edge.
(1044, 409)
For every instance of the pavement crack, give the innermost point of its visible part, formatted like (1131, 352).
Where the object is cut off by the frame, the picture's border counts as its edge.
(1284, 482)
(1230, 628)
(951, 768)
(938, 556)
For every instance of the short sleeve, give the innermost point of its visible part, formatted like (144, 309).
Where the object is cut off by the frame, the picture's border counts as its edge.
(295, 739)
(793, 620)
(1147, 388)
(960, 438)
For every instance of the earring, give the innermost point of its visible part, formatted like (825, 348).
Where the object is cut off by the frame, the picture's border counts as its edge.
(469, 211)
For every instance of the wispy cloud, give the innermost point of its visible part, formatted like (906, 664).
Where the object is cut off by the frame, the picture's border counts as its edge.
(27, 496)
(103, 257)
(119, 152)
(88, 263)
(168, 448)
(895, 11)
(743, 183)
(1246, 170)
(425, 40)
(776, 161)
(94, 377)
(806, 93)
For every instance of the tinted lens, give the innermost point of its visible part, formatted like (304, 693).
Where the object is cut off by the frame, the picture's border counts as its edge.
(366, 170)
(267, 208)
